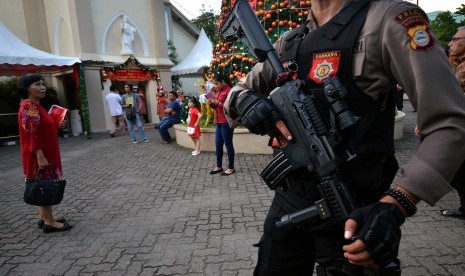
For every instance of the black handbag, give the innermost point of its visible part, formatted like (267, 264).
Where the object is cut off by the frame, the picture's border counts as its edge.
(44, 192)
(130, 113)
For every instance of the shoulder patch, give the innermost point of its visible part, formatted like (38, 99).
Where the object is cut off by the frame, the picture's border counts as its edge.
(416, 24)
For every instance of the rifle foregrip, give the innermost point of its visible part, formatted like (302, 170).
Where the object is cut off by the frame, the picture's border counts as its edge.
(318, 211)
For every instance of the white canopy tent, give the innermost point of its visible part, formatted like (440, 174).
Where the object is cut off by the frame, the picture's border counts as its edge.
(17, 56)
(198, 58)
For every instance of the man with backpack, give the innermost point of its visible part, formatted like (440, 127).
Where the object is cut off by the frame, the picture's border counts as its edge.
(131, 104)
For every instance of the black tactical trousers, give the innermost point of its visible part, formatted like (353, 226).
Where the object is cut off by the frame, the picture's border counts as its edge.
(458, 182)
(295, 251)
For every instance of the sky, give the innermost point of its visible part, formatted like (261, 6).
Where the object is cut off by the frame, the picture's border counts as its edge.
(191, 8)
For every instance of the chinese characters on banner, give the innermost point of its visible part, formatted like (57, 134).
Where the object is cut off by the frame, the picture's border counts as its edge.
(128, 74)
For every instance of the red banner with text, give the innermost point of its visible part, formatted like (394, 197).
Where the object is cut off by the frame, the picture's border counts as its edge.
(129, 74)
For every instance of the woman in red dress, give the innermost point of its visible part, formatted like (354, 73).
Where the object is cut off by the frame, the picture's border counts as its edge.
(193, 128)
(39, 143)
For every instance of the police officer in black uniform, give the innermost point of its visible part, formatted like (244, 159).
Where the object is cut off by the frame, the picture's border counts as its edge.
(370, 45)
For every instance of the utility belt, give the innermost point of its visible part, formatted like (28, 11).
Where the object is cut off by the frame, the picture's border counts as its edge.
(368, 176)
(344, 268)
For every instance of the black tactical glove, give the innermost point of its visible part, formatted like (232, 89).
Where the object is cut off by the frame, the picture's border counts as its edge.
(257, 113)
(379, 227)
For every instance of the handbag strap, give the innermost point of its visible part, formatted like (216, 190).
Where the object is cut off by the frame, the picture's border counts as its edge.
(51, 168)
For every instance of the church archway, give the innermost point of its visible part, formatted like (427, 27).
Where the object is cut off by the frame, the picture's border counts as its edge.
(121, 14)
(62, 38)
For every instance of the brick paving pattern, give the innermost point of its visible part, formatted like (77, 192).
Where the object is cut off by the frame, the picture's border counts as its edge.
(151, 209)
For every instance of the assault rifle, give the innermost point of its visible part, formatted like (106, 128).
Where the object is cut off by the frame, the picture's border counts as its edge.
(315, 136)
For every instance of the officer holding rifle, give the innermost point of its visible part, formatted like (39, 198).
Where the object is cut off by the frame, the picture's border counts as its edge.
(362, 48)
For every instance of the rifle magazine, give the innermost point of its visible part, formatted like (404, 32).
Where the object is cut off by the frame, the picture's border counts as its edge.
(276, 170)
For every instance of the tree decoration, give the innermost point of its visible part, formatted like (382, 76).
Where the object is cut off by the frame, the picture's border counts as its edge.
(84, 101)
(276, 17)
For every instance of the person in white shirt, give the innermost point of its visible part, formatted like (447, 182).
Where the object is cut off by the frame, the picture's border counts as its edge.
(114, 104)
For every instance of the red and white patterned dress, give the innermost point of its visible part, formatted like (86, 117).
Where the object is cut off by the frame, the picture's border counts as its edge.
(194, 116)
(37, 130)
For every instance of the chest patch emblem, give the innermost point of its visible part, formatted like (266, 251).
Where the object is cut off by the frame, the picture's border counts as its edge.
(324, 65)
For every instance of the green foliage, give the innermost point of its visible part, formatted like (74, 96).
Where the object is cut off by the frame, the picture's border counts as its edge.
(461, 11)
(172, 53)
(9, 98)
(184, 111)
(445, 27)
(208, 20)
(173, 56)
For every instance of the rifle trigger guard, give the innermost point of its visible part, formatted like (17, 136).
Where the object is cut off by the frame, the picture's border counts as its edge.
(350, 155)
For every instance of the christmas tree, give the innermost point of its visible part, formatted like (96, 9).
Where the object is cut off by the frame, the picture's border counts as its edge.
(276, 17)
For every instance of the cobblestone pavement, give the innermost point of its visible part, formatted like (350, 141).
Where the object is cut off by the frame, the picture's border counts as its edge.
(152, 209)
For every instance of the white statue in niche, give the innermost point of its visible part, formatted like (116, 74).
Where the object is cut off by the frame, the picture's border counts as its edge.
(127, 36)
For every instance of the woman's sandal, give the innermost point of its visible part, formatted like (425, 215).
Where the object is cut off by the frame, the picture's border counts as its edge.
(41, 222)
(51, 229)
(216, 171)
(225, 173)
(453, 214)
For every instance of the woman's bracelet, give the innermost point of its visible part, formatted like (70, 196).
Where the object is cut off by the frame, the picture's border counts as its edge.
(404, 200)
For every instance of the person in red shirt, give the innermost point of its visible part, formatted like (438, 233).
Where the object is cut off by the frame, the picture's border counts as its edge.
(39, 143)
(161, 102)
(193, 127)
(223, 132)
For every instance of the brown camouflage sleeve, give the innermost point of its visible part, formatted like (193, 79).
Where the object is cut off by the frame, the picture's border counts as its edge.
(413, 56)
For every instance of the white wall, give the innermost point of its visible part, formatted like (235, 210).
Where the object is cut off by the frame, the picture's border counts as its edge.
(184, 42)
